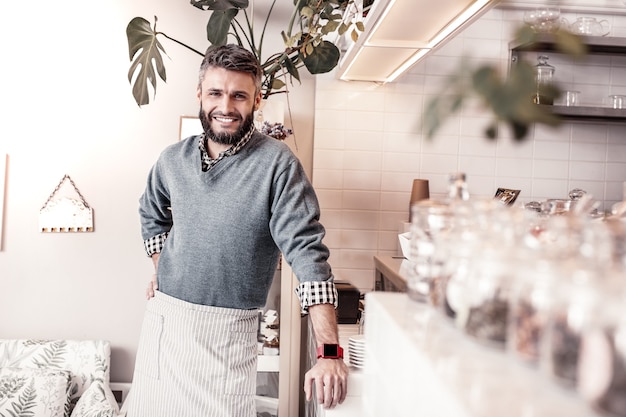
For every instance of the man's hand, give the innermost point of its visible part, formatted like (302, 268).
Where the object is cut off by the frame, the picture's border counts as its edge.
(152, 287)
(330, 377)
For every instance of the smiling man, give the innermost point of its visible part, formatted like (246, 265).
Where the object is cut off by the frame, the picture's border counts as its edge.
(217, 211)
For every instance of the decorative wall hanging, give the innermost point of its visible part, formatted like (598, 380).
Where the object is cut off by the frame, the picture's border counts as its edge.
(64, 214)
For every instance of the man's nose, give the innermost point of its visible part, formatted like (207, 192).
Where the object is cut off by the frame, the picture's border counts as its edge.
(227, 104)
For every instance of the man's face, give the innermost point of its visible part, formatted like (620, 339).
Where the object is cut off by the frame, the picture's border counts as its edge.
(227, 104)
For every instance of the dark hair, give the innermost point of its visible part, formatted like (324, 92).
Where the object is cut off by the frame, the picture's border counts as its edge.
(233, 58)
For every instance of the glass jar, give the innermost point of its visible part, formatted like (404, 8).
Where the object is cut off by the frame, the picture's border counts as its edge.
(601, 376)
(574, 298)
(530, 304)
(484, 312)
(430, 218)
(544, 75)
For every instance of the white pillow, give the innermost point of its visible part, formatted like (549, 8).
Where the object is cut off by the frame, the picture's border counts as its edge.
(96, 401)
(34, 392)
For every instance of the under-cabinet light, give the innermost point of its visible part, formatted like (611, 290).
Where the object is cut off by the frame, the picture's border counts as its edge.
(401, 32)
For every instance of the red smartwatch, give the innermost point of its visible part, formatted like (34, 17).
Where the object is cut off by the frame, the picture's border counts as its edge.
(330, 351)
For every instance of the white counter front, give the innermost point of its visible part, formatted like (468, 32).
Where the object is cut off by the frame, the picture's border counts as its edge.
(418, 364)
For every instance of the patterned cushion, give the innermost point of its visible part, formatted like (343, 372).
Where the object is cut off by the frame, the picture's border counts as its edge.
(97, 401)
(87, 360)
(34, 392)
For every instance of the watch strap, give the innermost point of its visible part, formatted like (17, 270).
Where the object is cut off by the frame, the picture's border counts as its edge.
(330, 351)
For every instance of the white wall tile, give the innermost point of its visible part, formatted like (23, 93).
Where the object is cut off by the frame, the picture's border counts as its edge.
(330, 138)
(362, 180)
(586, 170)
(514, 167)
(360, 219)
(362, 160)
(364, 140)
(328, 179)
(360, 200)
(478, 165)
(550, 168)
(552, 150)
(401, 162)
(328, 159)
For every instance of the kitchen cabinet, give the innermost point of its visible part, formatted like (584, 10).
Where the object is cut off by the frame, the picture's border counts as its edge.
(596, 45)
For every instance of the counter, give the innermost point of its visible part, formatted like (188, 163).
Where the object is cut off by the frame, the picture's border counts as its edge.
(353, 404)
(389, 274)
(417, 363)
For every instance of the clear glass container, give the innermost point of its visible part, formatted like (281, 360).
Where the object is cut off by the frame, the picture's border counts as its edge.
(530, 307)
(544, 78)
(578, 279)
(601, 376)
(484, 314)
(457, 186)
(430, 218)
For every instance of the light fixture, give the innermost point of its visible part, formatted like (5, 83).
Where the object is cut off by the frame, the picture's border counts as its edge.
(398, 33)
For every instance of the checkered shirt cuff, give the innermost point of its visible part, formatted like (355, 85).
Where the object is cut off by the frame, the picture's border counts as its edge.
(155, 243)
(316, 292)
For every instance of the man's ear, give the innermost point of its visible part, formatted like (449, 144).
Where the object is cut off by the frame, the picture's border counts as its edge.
(257, 101)
(199, 93)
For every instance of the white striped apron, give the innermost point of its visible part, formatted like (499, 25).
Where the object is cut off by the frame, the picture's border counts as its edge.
(195, 361)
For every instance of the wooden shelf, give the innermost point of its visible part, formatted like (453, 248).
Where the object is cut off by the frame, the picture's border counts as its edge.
(596, 45)
(601, 114)
(268, 363)
(607, 45)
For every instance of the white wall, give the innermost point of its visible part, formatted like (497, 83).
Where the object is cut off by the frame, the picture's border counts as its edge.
(67, 109)
(369, 145)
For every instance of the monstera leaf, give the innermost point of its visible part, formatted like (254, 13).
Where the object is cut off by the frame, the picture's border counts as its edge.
(218, 26)
(219, 4)
(145, 52)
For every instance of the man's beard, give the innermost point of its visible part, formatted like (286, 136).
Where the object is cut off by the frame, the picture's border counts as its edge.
(225, 138)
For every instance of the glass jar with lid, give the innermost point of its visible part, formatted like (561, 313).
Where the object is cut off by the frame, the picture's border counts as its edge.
(544, 79)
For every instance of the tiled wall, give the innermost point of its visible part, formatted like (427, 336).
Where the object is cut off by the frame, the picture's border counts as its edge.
(369, 147)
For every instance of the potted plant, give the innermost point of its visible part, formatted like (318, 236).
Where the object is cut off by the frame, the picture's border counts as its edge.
(304, 41)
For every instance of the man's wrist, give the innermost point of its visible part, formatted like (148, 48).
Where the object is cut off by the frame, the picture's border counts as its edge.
(330, 351)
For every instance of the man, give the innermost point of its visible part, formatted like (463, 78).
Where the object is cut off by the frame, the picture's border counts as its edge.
(217, 211)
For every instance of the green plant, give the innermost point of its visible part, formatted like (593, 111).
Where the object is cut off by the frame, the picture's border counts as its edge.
(304, 44)
(507, 97)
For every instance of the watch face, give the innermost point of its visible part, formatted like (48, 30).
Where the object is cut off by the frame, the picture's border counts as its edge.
(331, 350)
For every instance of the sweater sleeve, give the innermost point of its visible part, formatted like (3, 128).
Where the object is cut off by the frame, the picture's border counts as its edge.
(298, 233)
(154, 210)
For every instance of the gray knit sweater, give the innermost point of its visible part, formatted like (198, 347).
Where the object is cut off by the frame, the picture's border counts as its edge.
(228, 225)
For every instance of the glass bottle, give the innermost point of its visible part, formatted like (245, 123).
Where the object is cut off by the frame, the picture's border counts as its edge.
(544, 75)
(457, 186)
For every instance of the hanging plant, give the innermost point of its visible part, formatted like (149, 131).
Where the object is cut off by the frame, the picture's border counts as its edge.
(304, 41)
